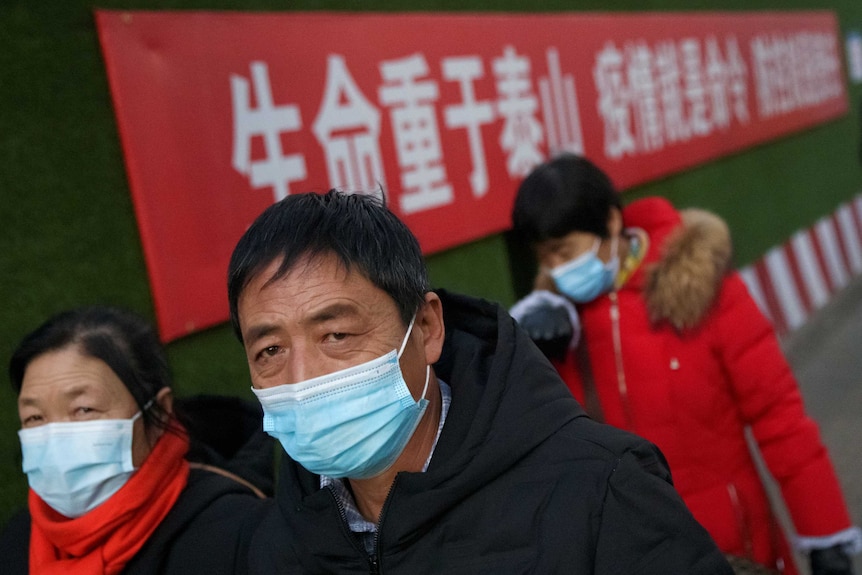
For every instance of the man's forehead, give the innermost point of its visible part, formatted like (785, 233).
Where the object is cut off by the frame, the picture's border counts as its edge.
(309, 263)
(316, 282)
(573, 238)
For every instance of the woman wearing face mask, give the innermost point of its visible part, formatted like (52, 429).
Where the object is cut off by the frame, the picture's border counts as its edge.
(673, 348)
(111, 486)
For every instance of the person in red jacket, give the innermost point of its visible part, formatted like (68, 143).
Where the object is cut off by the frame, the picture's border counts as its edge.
(673, 348)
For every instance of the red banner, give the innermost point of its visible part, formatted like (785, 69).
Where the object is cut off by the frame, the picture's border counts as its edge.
(220, 114)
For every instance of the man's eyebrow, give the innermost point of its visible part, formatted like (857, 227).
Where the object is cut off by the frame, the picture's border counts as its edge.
(334, 311)
(330, 312)
(27, 401)
(256, 332)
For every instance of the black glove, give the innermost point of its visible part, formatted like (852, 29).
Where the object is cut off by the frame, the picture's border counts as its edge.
(550, 329)
(831, 561)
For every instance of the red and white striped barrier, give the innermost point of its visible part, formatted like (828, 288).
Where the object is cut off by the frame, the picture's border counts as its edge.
(793, 280)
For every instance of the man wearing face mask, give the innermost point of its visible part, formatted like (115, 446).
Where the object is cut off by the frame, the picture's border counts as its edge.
(423, 432)
(669, 345)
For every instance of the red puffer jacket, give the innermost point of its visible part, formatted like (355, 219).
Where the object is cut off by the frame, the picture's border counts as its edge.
(682, 356)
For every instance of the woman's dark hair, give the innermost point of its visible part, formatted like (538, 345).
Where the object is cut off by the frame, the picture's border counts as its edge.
(359, 229)
(564, 195)
(123, 340)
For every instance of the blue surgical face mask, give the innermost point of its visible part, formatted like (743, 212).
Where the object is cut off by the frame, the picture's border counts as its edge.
(586, 277)
(351, 423)
(76, 466)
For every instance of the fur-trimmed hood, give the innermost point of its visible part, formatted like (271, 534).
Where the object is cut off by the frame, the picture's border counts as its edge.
(681, 285)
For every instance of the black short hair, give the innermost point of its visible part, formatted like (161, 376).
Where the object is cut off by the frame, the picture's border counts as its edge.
(125, 341)
(566, 194)
(359, 229)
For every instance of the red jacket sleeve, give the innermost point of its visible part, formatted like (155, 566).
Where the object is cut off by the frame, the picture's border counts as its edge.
(770, 402)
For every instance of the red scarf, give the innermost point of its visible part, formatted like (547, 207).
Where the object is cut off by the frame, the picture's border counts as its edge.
(103, 540)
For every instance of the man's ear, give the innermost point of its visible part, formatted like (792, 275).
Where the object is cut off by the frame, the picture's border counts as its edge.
(431, 323)
(615, 222)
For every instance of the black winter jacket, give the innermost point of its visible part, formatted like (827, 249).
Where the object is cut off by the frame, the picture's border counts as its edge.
(521, 481)
(209, 528)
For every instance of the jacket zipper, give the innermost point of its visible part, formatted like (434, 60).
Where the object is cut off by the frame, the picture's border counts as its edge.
(622, 386)
(348, 533)
(374, 560)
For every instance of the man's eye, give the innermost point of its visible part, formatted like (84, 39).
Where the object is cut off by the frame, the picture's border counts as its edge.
(31, 420)
(270, 351)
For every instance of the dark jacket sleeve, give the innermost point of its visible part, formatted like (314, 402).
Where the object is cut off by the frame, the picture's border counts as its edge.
(15, 544)
(646, 528)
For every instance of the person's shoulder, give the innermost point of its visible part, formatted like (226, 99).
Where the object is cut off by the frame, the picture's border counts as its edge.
(605, 439)
(210, 485)
(591, 444)
(220, 507)
(213, 502)
(208, 529)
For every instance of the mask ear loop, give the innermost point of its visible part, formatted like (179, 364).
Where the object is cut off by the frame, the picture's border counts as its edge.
(406, 336)
(143, 409)
(427, 367)
(427, 377)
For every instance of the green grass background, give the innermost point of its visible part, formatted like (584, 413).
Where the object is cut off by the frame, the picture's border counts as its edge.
(68, 234)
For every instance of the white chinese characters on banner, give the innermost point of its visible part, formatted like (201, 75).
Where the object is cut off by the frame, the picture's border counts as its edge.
(276, 170)
(615, 98)
(649, 96)
(652, 97)
(560, 108)
(648, 124)
(417, 138)
(348, 129)
(347, 125)
(522, 133)
(795, 71)
(670, 93)
(470, 114)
